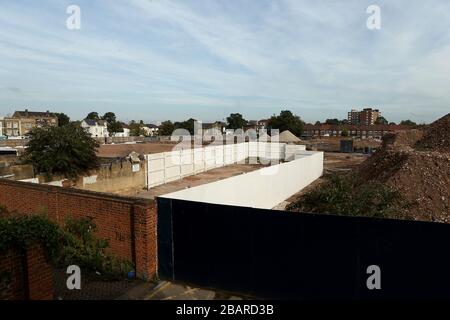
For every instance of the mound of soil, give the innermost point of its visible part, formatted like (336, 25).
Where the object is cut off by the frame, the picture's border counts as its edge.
(436, 136)
(417, 164)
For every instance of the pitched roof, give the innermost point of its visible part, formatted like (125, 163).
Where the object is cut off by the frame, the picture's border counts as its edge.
(92, 122)
(33, 114)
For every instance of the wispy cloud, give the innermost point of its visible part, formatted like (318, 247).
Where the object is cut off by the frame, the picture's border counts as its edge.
(159, 59)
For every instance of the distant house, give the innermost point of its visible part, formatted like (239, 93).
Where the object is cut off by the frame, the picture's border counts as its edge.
(1, 127)
(96, 128)
(256, 125)
(218, 125)
(151, 129)
(22, 122)
(125, 133)
(376, 131)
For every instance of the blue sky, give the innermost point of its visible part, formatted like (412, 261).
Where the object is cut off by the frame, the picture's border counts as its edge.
(158, 59)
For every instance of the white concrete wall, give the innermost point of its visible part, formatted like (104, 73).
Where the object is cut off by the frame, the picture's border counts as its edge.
(174, 165)
(264, 188)
(291, 150)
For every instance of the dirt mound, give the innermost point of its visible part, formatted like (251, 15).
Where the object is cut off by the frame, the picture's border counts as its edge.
(417, 164)
(402, 140)
(437, 136)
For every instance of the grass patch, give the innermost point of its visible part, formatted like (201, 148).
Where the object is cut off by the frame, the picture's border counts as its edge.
(348, 194)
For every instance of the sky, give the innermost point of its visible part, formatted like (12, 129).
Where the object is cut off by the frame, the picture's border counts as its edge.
(159, 59)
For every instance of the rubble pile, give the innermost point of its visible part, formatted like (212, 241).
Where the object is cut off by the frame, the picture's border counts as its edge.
(436, 136)
(417, 164)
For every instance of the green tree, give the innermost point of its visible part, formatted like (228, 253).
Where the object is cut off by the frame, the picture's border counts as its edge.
(381, 120)
(287, 121)
(408, 123)
(166, 128)
(69, 151)
(333, 121)
(63, 119)
(109, 117)
(115, 127)
(187, 125)
(318, 123)
(344, 133)
(93, 116)
(136, 128)
(236, 121)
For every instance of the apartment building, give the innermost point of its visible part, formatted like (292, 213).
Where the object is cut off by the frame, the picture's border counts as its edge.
(367, 116)
(22, 122)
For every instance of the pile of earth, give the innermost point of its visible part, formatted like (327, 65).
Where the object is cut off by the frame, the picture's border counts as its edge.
(436, 136)
(416, 163)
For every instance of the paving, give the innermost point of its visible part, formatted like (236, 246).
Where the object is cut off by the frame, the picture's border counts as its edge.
(172, 291)
(198, 179)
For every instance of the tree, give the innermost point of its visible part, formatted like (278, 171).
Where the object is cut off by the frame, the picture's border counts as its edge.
(236, 121)
(109, 117)
(166, 128)
(318, 123)
(332, 121)
(344, 133)
(63, 119)
(381, 120)
(187, 125)
(392, 124)
(69, 151)
(408, 123)
(93, 116)
(136, 128)
(113, 125)
(287, 121)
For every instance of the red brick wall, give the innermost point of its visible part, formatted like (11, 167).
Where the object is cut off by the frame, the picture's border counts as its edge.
(12, 276)
(39, 274)
(128, 223)
(26, 275)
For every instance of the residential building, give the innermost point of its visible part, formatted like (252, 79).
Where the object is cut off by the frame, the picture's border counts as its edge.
(218, 125)
(1, 126)
(376, 131)
(124, 134)
(29, 120)
(12, 127)
(256, 124)
(367, 116)
(22, 122)
(96, 128)
(353, 117)
(151, 130)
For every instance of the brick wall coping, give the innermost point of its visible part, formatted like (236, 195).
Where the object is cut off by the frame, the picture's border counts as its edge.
(78, 192)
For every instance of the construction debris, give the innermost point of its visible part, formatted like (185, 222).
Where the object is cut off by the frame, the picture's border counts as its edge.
(417, 164)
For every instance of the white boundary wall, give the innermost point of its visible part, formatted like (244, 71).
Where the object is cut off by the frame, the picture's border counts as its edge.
(174, 165)
(264, 188)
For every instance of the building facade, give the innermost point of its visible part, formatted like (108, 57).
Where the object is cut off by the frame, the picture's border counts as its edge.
(96, 128)
(1, 126)
(367, 116)
(360, 131)
(22, 122)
